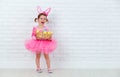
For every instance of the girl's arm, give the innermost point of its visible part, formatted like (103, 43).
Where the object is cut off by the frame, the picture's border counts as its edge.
(33, 33)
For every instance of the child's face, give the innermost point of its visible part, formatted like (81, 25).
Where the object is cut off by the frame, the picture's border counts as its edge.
(42, 20)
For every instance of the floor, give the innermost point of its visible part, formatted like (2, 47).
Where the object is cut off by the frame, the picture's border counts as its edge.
(60, 73)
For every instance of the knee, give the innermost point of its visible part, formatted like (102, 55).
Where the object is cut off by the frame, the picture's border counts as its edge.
(46, 57)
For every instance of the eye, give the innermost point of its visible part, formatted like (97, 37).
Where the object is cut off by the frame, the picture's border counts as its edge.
(44, 18)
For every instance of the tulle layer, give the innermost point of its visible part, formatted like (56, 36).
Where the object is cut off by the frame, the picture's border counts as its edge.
(36, 46)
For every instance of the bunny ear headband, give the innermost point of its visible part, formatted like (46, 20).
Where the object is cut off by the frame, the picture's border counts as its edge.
(45, 12)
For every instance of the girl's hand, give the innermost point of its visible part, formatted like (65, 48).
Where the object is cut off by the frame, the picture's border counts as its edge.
(38, 37)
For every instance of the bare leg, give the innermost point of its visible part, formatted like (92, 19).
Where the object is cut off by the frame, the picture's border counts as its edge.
(38, 60)
(47, 60)
(48, 63)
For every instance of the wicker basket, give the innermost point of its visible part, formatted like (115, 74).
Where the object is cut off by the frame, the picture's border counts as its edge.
(45, 35)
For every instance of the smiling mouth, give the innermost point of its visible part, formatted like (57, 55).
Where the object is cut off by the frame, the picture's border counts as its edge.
(42, 22)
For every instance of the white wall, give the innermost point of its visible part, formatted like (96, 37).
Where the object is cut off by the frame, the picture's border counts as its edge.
(87, 31)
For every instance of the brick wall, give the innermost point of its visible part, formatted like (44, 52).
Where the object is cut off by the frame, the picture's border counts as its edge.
(87, 32)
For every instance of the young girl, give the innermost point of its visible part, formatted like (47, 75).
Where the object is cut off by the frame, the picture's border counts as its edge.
(38, 44)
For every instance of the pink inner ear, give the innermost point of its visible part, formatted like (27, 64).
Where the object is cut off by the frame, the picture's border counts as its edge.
(47, 11)
(39, 9)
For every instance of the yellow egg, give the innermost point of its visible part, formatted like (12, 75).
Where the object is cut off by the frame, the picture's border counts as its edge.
(44, 32)
(48, 32)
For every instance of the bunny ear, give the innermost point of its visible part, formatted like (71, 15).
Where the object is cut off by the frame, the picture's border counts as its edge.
(39, 9)
(47, 11)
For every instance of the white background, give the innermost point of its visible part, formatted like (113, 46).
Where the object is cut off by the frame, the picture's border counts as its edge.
(87, 32)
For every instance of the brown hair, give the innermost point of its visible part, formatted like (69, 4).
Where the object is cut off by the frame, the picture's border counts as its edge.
(39, 17)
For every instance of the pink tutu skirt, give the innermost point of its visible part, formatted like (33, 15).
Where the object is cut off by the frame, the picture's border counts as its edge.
(37, 46)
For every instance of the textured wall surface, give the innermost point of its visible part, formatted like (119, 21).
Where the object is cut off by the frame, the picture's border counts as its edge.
(87, 32)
